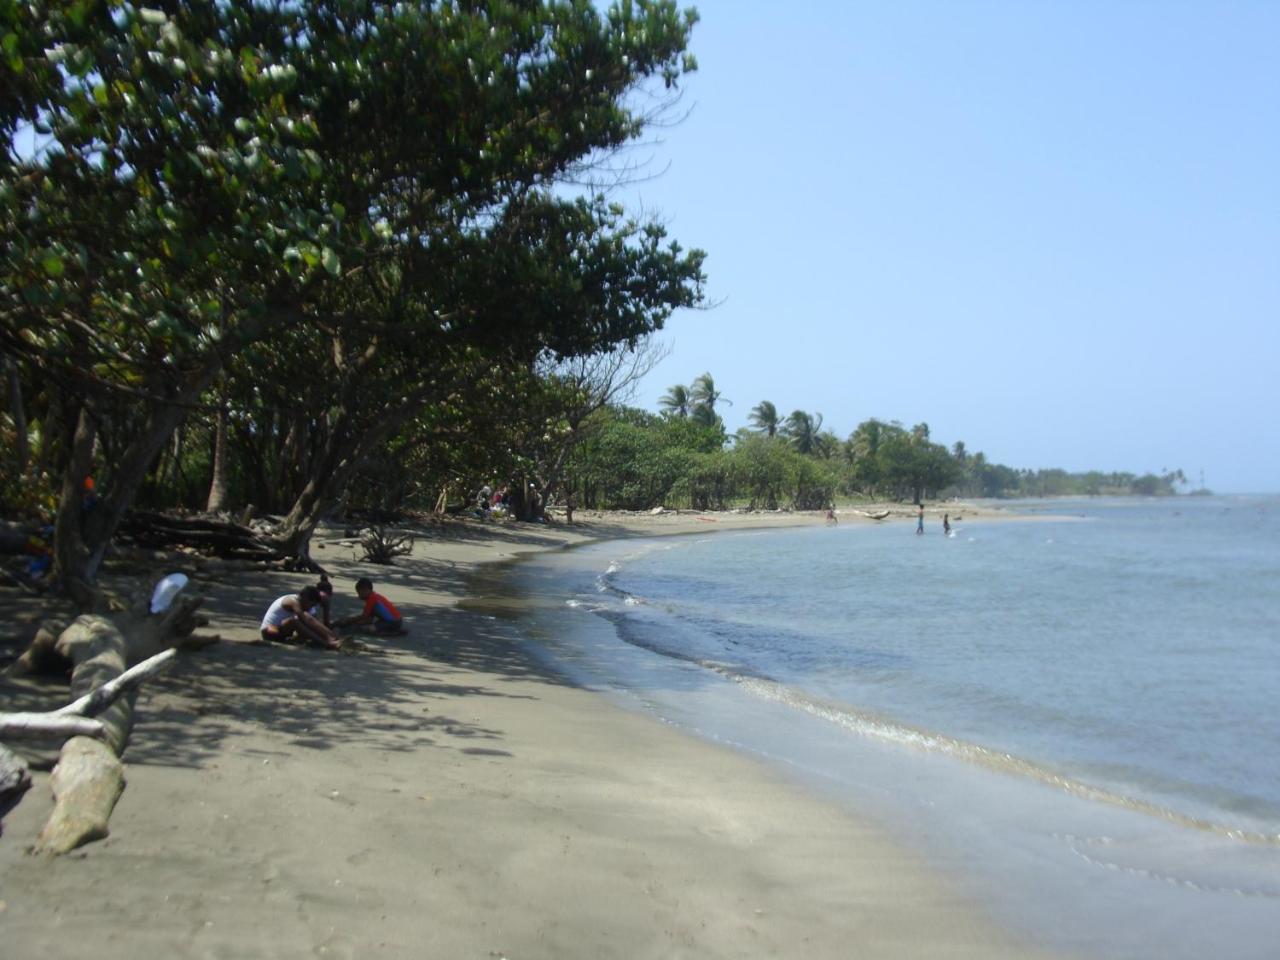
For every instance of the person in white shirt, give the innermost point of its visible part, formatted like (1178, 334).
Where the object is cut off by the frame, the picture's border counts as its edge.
(293, 615)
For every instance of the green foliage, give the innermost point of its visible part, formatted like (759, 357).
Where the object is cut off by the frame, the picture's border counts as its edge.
(771, 473)
(634, 460)
(765, 419)
(349, 208)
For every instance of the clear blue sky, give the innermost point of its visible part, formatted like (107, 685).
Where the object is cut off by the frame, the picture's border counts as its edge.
(1048, 229)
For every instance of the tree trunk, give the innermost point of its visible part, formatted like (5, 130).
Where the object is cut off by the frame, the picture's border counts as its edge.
(81, 536)
(73, 566)
(218, 484)
(331, 472)
(172, 482)
(17, 410)
(51, 432)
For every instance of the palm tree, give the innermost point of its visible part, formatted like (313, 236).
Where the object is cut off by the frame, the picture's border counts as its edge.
(705, 415)
(703, 393)
(802, 430)
(764, 417)
(865, 441)
(826, 443)
(676, 401)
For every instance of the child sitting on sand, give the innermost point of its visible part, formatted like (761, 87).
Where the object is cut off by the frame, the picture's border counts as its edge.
(293, 615)
(325, 589)
(378, 611)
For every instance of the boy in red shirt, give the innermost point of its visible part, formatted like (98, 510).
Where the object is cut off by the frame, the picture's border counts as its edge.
(378, 611)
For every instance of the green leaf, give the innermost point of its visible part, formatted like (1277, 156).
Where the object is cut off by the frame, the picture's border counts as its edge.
(52, 264)
(330, 261)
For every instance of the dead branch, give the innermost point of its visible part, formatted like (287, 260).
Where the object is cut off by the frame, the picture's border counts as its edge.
(93, 703)
(382, 547)
(15, 726)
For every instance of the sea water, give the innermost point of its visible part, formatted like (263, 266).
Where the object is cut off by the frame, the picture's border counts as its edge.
(1072, 709)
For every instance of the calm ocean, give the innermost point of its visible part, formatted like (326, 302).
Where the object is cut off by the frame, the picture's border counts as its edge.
(1075, 714)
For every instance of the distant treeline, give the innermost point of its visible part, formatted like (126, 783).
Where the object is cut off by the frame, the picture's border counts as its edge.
(633, 459)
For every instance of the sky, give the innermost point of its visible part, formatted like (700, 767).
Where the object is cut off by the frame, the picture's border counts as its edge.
(1050, 230)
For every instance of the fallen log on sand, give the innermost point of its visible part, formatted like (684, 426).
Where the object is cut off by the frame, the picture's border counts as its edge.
(882, 515)
(214, 536)
(77, 719)
(15, 779)
(89, 776)
(24, 726)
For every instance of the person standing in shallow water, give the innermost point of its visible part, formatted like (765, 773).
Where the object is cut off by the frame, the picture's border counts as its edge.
(946, 524)
(920, 521)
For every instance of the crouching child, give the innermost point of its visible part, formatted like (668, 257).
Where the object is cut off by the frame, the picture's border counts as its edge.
(294, 616)
(378, 612)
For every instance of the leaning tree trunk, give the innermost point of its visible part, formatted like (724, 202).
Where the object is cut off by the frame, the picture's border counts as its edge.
(331, 473)
(81, 536)
(73, 567)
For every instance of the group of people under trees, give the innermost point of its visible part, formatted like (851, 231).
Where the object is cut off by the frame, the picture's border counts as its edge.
(305, 616)
(505, 501)
(491, 501)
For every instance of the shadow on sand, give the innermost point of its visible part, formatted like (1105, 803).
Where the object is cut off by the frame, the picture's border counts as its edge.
(405, 694)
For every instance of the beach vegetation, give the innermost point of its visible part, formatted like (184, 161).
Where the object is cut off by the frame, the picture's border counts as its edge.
(765, 419)
(249, 268)
(232, 225)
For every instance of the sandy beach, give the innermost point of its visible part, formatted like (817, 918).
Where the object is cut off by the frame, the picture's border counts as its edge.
(443, 795)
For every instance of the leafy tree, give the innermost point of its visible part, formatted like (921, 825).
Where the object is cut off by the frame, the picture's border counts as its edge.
(862, 451)
(633, 460)
(762, 468)
(216, 175)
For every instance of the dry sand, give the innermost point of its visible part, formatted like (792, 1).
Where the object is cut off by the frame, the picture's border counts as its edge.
(446, 797)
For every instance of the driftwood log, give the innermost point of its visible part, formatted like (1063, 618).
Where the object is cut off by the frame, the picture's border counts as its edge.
(76, 719)
(42, 655)
(215, 536)
(89, 776)
(224, 539)
(15, 779)
(86, 783)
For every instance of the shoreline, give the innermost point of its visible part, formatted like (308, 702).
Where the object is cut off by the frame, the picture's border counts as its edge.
(448, 796)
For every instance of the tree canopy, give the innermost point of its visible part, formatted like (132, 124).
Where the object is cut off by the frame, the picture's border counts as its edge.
(356, 201)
